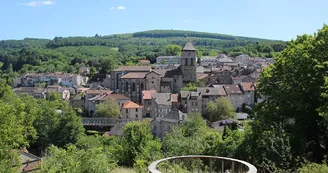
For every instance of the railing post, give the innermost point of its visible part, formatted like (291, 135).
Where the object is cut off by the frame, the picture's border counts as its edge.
(198, 165)
(210, 165)
(233, 167)
(222, 166)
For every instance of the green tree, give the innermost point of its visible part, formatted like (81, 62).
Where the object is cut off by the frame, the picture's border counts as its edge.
(108, 109)
(172, 50)
(313, 168)
(76, 160)
(220, 109)
(295, 90)
(138, 144)
(189, 87)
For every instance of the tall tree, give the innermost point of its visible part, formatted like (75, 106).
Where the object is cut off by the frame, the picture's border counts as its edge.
(108, 109)
(220, 109)
(295, 90)
(172, 50)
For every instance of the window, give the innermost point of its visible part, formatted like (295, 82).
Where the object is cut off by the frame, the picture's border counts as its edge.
(133, 86)
(153, 77)
(192, 103)
(126, 111)
(136, 115)
(126, 86)
(136, 109)
(192, 61)
(149, 103)
(152, 82)
(196, 104)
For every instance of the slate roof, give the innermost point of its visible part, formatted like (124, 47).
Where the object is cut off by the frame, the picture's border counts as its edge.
(117, 129)
(221, 89)
(134, 75)
(162, 98)
(194, 94)
(161, 72)
(189, 46)
(174, 115)
(171, 73)
(232, 89)
(118, 97)
(92, 91)
(134, 68)
(212, 91)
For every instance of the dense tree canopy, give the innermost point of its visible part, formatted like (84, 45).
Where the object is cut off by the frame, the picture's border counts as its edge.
(293, 116)
(220, 109)
(108, 109)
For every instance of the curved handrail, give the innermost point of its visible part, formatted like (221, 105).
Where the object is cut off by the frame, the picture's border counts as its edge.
(153, 166)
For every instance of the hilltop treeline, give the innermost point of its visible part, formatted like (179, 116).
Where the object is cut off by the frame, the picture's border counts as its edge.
(70, 53)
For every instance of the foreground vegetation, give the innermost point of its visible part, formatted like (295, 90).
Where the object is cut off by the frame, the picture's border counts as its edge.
(289, 132)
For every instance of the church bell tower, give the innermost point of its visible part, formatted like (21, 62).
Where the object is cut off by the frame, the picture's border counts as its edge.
(188, 63)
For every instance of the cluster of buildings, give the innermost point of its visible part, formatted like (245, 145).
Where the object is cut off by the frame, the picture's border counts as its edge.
(148, 91)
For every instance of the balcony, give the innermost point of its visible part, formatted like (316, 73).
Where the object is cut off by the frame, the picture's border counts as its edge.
(201, 164)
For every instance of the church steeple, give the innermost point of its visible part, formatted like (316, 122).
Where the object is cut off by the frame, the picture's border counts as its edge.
(188, 62)
(189, 47)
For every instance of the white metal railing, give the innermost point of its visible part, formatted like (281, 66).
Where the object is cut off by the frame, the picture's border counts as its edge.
(234, 164)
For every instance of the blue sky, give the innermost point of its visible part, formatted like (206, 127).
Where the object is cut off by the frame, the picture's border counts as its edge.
(272, 19)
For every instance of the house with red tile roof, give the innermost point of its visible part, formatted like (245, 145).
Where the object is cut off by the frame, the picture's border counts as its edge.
(131, 110)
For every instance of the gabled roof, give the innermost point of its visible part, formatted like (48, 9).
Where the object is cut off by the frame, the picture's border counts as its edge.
(174, 115)
(147, 94)
(189, 46)
(118, 97)
(117, 129)
(248, 86)
(134, 75)
(145, 61)
(134, 68)
(232, 89)
(212, 91)
(93, 91)
(131, 105)
(162, 98)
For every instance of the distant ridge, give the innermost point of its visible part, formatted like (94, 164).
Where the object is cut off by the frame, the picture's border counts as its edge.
(186, 34)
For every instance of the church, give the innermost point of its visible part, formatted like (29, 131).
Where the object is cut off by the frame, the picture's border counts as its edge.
(174, 80)
(132, 80)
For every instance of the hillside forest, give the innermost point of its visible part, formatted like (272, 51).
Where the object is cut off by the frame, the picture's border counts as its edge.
(103, 53)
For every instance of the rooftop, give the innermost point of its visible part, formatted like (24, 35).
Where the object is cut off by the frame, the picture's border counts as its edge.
(134, 68)
(189, 46)
(232, 89)
(131, 105)
(162, 98)
(216, 90)
(248, 86)
(147, 94)
(134, 75)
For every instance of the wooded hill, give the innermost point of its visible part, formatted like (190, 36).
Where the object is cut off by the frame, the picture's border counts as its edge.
(67, 54)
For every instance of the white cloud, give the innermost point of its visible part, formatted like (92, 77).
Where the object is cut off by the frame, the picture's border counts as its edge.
(118, 8)
(39, 3)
